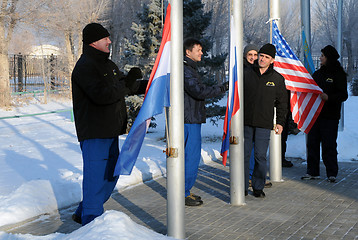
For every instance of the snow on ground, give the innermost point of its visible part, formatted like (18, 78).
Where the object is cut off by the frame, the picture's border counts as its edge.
(41, 166)
(111, 225)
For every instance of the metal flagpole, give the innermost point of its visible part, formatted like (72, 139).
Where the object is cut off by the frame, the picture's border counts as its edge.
(339, 49)
(175, 151)
(275, 139)
(237, 175)
(306, 20)
(306, 25)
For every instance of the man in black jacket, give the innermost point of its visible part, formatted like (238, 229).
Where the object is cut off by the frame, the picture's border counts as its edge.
(332, 78)
(195, 93)
(264, 89)
(98, 90)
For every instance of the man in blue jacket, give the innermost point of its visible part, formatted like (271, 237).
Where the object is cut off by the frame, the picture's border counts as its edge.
(264, 89)
(195, 93)
(98, 90)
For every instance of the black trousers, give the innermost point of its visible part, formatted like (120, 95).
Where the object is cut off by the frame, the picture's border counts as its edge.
(325, 132)
(284, 136)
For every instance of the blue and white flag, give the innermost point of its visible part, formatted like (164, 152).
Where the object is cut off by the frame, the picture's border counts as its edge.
(156, 98)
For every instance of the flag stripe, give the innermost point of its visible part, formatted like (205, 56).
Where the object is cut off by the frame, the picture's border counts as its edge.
(305, 101)
(156, 97)
(292, 67)
(233, 103)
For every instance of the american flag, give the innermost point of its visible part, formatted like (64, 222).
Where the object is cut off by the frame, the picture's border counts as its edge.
(233, 104)
(306, 103)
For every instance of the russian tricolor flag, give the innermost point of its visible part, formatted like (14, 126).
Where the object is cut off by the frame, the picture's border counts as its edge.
(156, 98)
(233, 103)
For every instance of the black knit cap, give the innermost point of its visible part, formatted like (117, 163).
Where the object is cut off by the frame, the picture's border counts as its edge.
(93, 32)
(330, 52)
(268, 49)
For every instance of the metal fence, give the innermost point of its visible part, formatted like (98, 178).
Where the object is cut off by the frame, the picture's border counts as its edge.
(32, 73)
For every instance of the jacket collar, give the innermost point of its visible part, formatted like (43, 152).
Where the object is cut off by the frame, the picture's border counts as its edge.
(95, 53)
(257, 68)
(191, 63)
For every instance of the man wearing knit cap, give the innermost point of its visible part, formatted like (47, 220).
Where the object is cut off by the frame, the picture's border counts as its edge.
(332, 79)
(250, 56)
(264, 89)
(98, 91)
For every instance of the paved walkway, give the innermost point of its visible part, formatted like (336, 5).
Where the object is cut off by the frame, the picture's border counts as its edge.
(293, 209)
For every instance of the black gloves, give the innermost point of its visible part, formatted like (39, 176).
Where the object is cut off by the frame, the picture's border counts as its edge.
(224, 87)
(135, 73)
(132, 76)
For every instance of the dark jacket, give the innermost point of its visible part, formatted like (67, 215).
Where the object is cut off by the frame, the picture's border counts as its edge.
(247, 64)
(261, 94)
(333, 81)
(195, 93)
(98, 91)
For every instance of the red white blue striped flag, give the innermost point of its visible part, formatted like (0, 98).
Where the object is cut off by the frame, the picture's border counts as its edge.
(156, 97)
(233, 103)
(306, 104)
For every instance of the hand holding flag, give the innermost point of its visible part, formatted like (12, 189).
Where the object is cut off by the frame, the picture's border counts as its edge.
(156, 97)
(305, 102)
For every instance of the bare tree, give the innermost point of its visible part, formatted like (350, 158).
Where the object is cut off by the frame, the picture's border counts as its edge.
(326, 23)
(291, 24)
(66, 18)
(22, 40)
(120, 17)
(219, 28)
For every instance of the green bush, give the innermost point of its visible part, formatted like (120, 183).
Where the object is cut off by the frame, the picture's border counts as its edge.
(134, 103)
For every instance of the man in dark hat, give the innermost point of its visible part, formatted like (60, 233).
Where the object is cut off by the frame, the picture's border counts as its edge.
(98, 90)
(264, 89)
(250, 56)
(332, 79)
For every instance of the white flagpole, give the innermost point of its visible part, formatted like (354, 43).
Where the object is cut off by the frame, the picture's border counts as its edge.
(306, 20)
(306, 25)
(237, 176)
(175, 151)
(275, 139)
(339, 49)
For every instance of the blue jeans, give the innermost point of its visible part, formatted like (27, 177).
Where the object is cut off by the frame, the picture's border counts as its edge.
(192, 142)
(260, 138)
(99, 159)
(252, 162)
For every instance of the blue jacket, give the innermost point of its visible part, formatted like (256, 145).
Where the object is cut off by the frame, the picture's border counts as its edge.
(195, 93)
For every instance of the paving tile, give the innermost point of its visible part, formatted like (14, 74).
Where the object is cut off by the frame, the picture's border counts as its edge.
(293, 209)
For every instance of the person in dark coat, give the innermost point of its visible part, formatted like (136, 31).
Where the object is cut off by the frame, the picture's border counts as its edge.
(264, 89)
(284, 136)
(250, 56)
(332, 79)
(98, 91)
(195, 93)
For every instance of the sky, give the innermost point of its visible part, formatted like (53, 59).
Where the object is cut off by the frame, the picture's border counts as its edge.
(41, 166)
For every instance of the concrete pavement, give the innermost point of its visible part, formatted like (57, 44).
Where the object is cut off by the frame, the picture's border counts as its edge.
(292, 209)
